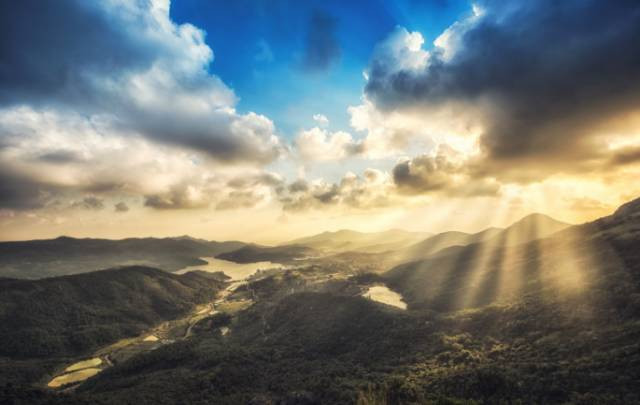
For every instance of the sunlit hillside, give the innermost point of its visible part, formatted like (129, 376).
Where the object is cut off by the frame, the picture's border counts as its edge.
(319, 202)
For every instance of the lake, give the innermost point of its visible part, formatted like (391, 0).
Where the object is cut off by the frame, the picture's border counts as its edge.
(383, 294)
(237, 271)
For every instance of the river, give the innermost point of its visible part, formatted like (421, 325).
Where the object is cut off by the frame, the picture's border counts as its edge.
(237, 271)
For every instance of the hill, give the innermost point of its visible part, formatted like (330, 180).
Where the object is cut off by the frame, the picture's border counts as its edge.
(71, 315)
(64, 255)
(348, 240)
(276, 254)
(574, 261)
(531, 227)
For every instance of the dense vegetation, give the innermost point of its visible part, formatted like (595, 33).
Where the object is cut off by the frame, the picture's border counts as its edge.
(276, 254)
(64, 255)
(71, 315)
(555, 320)
(322, 348)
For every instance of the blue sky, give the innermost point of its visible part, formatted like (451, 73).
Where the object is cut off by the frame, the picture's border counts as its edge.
(260, 49)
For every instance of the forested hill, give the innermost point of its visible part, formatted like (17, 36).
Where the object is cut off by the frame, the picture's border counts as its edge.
(75, 314)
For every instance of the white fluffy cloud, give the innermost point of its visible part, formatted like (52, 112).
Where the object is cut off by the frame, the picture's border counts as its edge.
(151, 80)
(321, 119)
(137, 115)
(317, 144)
(52, 157)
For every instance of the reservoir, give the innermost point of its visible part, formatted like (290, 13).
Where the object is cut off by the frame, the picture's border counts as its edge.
(237, 271)
(383, 294)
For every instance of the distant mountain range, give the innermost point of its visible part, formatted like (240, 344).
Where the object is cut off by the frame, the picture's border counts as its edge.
(531, 227)
(352, 241)
(65, 255)
(393, 246)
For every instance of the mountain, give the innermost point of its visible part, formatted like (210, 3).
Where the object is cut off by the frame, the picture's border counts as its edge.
(64, 255)
(347, 240)
(444, 240)
(531, 227)
(276, 254)
(518, 262)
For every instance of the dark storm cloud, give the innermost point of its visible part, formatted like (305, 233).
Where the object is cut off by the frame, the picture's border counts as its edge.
(59, 157)
(321, 47)
(442, 173)
(53, 48)
(423, 174)
(549, 70)
(19, 192)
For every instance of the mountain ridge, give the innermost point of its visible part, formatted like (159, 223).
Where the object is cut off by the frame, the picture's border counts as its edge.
(66, 255)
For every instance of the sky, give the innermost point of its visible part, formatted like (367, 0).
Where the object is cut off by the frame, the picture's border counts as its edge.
(268, 120)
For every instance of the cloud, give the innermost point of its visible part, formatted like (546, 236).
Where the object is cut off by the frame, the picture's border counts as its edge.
(321, 119)
(89, 203)
(121, 207)
(246, 190)
(240, 199)
(625, 155)
(48, 156)
(176, 199)
(318, 144)
(127, 62)
(57, 48)
(321, 48)
(373, 189)
(59, 156)
(424, 173)
(540, 79)
(20, 192)
(446, 171)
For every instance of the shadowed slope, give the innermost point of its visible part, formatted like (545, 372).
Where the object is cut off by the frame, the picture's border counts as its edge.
(74, 314)
(577, 261)
(65, 255)
(276, 254)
